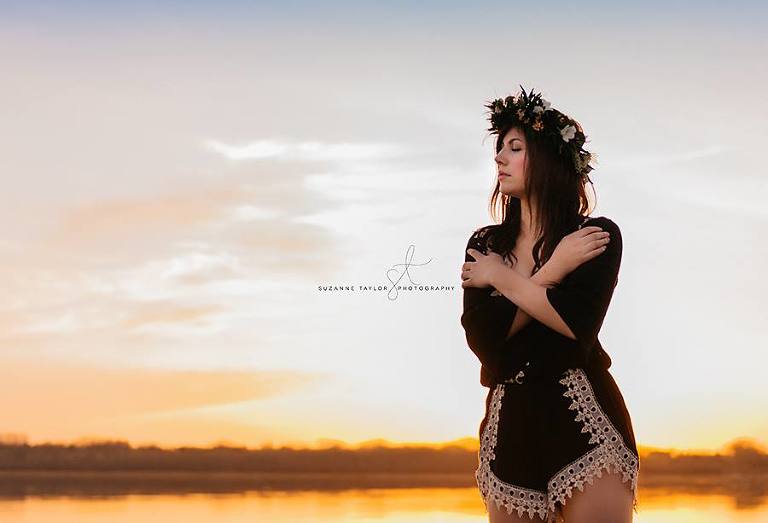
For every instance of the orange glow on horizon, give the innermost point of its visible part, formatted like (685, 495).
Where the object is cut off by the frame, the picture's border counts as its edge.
(469, 444)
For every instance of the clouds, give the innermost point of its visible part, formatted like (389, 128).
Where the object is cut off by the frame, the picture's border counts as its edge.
(168, 313)
(108, 222)
(312, 151)
(91, 400)
(172, 198)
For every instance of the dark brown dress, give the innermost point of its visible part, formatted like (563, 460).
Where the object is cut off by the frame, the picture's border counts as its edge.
(555, 418)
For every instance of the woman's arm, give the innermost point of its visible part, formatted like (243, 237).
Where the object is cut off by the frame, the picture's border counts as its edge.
(576, 308)
(547, 276)
(530, 296)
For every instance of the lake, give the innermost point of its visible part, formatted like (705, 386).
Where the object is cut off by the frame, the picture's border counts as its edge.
(87, 500)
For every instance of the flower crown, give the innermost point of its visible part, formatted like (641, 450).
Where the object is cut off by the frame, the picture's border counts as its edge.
(533, 111)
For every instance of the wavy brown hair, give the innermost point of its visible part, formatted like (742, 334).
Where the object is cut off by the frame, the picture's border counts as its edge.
(555, 189)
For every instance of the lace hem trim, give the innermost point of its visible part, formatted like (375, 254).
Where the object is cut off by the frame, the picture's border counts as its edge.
(611, 454)
(493, 489)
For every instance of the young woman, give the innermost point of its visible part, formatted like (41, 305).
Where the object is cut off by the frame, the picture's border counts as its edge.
(556, 441)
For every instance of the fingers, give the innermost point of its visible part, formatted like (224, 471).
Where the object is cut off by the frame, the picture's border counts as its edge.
(596, 248)
(597, 238)
(594, 253)
(593, 230)
(587, 232)
(472, 252)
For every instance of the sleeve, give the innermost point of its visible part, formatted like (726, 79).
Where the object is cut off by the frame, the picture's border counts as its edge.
(582, 298)
(486, 319)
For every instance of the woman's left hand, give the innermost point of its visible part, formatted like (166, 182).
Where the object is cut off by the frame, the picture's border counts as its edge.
(480, 272)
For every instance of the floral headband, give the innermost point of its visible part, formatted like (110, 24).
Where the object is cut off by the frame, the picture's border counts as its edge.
(531, 110)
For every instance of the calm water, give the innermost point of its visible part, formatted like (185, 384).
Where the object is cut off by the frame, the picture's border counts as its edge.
(411, 505)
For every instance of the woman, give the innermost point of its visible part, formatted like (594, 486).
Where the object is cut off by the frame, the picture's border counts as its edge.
(556, 441)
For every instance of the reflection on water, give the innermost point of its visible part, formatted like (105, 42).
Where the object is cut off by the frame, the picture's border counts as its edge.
(383, 505)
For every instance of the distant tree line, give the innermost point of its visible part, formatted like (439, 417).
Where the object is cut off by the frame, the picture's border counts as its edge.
(121, 456)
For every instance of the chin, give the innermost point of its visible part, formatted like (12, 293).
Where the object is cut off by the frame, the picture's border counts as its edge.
(508, 192)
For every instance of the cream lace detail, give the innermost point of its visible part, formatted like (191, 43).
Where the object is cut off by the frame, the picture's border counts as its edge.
(611, 454)
(492, 489)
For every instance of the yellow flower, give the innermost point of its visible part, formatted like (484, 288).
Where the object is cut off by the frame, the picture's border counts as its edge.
(537, 125)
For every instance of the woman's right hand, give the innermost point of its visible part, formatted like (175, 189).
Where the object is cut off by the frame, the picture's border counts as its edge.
(578, 247)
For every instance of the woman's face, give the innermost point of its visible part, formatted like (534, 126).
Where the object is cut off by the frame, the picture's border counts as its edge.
(510, 162)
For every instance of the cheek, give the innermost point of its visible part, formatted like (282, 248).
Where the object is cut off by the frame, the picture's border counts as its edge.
(520, 160)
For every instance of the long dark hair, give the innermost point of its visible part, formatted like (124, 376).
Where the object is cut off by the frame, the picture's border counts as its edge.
(553, 186)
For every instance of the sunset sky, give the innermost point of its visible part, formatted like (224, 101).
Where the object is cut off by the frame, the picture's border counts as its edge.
(180, 177)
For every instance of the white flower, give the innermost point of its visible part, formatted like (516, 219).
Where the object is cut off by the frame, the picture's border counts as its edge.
(542, 108)
(568, 132)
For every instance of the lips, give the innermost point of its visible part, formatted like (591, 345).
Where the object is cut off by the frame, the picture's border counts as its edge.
(502, 175)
